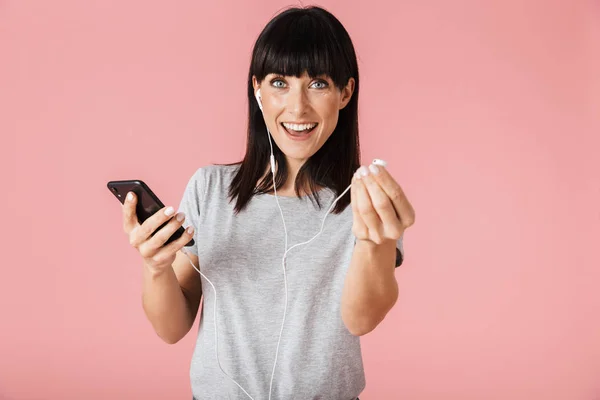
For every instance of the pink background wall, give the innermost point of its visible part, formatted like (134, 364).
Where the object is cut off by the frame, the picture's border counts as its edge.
(487, 112)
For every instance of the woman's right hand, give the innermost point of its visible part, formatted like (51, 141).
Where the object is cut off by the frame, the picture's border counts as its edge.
(156, 255)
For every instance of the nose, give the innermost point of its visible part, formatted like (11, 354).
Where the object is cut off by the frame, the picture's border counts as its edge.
(297, 102)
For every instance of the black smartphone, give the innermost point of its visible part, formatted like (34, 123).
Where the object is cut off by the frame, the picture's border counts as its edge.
(147, 203)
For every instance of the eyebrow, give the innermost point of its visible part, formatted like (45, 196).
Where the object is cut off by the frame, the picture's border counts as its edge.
(321, 76)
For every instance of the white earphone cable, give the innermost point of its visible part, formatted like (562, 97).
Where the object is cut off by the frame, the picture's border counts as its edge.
(286, 253)
(272, 165)
(216, 330)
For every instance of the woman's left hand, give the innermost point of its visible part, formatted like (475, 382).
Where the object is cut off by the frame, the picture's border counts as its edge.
(381, 210)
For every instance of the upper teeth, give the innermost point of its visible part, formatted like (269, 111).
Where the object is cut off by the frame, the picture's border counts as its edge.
(299, 127)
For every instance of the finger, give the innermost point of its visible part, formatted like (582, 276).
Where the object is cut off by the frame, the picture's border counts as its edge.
(141, 233)
(153, 245)
(163, 234)
(388, 184)
(359, 228)
(367, 211)
(157, 219)
(130, 220)
(392, 226)
(178, 244)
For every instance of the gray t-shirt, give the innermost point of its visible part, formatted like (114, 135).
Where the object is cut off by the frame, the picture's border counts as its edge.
(242, 256)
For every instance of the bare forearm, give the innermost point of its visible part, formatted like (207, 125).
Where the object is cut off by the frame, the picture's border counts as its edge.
(370, 289)
(165, 305)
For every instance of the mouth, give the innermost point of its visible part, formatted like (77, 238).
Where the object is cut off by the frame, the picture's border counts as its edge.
(299, 131)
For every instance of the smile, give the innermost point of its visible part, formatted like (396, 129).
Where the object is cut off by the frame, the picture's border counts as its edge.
(299, 128)
(299, 132)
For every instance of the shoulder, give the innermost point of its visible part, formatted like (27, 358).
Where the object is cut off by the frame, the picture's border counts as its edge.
(216, 171)
(209, 175)
(207, 186)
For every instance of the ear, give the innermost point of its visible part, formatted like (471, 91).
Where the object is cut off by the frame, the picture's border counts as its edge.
(255, 84)
(347, 92)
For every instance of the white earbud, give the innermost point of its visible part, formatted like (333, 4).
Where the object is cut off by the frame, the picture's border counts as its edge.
(259, 99)
(378, 161)
(272, 158)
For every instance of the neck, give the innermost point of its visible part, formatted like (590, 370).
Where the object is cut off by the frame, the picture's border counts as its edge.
(288, 189)
(293, 168)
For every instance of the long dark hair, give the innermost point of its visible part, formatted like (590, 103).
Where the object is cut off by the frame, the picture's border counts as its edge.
(295, 41)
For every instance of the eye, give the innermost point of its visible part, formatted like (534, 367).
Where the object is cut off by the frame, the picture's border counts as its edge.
(278, 83)
(320, 84)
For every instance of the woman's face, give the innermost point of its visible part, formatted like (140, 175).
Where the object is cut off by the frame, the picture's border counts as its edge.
(301, 113)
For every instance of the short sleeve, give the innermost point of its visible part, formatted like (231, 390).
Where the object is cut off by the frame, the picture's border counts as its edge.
(190, 206)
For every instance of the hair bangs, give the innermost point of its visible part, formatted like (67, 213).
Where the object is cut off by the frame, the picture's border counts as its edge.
(296, 44)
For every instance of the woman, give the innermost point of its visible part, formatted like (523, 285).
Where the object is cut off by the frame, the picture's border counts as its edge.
(285, 328)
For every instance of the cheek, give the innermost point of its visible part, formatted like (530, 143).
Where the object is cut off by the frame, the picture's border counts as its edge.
(277, 100)
(272, 109)
(330, 115)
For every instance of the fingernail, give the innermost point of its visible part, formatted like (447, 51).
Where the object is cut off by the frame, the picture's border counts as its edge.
(180, 217)
(190, 230)
(169, 211)
(129, 196)
(363, 171)
(373, 169)
(379, 161)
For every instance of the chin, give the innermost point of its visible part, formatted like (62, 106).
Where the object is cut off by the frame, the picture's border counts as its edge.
(296, 154)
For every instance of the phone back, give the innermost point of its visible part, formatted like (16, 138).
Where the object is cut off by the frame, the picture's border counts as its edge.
(147, 205)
